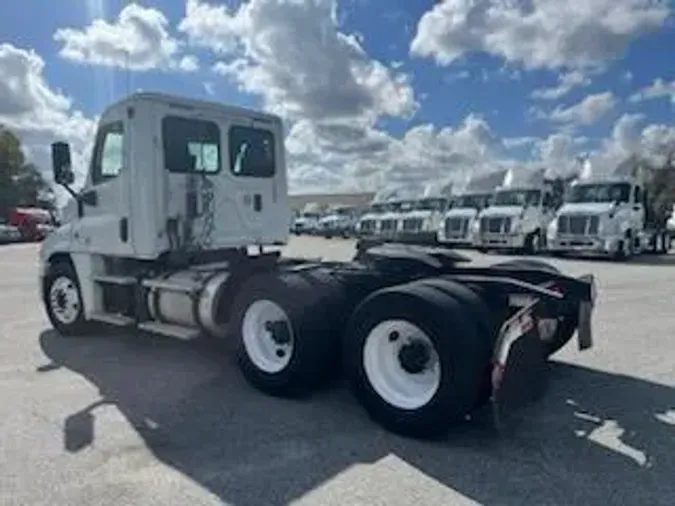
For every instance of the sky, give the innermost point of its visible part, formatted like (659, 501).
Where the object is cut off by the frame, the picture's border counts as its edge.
(372, 92)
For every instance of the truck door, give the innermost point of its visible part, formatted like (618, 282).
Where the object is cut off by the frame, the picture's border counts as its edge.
(106, 208)
(252, 167)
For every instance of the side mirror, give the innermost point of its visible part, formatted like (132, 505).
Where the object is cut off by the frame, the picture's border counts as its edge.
(61, 164)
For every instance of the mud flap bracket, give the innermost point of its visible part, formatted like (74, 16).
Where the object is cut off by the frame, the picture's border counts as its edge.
(520, 366)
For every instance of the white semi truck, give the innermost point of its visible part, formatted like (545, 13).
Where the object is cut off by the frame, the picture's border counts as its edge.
(339, 222)
(419, 224)
(518, 215)
(368, 224)
(460, 223)
(174, 232)
(609, 215)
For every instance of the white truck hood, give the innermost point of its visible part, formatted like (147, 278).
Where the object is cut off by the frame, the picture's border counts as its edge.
(592, 208)
(501, 211)
(462, 212)
(417, 214)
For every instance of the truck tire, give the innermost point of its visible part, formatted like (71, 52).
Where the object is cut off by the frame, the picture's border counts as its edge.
(287, 328)
(414, 360)
(567, 324)
(487, 326)
(534, 243)
(63, 300)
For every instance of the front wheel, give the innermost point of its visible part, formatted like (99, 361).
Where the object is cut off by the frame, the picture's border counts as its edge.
(63, 300)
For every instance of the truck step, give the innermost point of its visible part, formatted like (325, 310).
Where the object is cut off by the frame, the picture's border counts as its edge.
(112, 319)
(114, 280)
(167, 329)
(168, 286)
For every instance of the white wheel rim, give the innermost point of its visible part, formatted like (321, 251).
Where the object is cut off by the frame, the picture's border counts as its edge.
(266, 354)
(385, 372)
(64, 300)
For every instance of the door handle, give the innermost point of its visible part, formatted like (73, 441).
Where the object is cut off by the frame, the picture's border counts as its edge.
(636, 208)
(257, 202)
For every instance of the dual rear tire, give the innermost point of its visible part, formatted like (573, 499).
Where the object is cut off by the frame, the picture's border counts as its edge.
(414, 355)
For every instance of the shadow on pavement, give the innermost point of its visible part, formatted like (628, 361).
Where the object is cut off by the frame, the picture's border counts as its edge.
(597, 438)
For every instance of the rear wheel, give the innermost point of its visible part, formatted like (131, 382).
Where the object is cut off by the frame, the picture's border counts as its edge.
(287, 328)
(555, 331)
(414, 359)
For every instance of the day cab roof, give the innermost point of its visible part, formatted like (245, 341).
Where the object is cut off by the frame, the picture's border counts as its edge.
(190, 104)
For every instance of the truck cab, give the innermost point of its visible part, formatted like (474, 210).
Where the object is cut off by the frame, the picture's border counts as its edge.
(607, 215)
(460, 223)
(154, 156)
(420, 223)
(171, 180)
(369, 223)
(518, 215)
(389, 220)
(340, 221)
(306, 223)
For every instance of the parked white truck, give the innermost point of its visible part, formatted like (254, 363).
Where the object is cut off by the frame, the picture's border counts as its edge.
(339, 222)
(608, 214)
(171, 232)
(518, 215)
(460, 223)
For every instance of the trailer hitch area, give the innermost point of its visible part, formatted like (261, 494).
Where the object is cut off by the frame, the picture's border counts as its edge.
(519, 367)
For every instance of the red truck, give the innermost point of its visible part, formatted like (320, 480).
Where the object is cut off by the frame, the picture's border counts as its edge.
(33, 223)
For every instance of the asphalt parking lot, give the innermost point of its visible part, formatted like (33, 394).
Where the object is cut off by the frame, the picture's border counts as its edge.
(132, 420)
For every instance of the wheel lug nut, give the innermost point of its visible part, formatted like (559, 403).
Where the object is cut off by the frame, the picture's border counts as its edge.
(393, 336)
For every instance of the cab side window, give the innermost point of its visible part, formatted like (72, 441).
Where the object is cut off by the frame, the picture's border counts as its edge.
(251, 152)
(108, 156)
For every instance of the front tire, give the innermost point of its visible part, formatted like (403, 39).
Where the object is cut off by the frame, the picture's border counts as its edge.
(63, 300)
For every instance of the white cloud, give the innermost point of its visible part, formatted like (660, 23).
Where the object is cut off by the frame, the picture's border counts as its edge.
(139, 40)
(536, 33)
(628, 137)
(586, 112)
(38, 113)
(566, 83)
(658, 89)
(294, 56)
(349, 155)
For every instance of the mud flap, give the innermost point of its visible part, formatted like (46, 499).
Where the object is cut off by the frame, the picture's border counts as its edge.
(520, 367)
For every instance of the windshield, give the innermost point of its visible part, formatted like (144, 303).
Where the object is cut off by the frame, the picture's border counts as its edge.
(377, 209)
(406, 206)
(309, 216)
(600, 192)
(435, 204)
(478, 201)
(393, 207)
(517, 198)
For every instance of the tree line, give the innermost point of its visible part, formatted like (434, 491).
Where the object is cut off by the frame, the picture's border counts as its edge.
(21, 182)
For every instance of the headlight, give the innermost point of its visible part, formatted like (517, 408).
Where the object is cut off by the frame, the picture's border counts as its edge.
(516, 225)
(475, 226)
(427, 223)
(552, 229)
